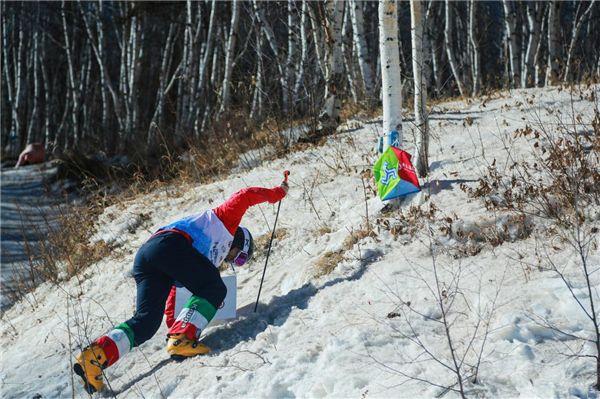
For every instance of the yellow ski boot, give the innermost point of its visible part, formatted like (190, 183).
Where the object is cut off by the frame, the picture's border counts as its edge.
(89, 365)
(180, 347)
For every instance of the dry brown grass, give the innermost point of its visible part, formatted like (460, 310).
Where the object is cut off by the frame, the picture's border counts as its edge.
(355, 236)
(330, 259)
(352, 110)
(323, 230)
(328, 262)
(65, 251)
(261, 244)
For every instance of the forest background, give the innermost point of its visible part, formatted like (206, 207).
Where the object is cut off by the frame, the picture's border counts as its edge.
(152, 79)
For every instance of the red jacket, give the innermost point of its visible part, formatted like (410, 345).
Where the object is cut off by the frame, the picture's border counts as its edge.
(232, 210)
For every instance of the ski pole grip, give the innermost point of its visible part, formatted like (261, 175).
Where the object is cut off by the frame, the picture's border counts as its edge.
(286, 173)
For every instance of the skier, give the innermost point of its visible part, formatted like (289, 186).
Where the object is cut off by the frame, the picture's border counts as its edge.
(188, 251)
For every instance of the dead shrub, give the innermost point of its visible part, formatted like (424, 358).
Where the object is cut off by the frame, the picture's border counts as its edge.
(405, 222)
(64, 252)
(560, 184)
(68, 242)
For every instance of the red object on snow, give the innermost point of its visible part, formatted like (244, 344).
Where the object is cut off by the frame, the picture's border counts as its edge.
(33, 153)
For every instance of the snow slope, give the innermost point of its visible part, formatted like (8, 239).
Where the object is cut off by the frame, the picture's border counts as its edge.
(340, 334)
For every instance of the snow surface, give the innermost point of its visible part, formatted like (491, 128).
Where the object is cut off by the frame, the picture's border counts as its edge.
(338, 334)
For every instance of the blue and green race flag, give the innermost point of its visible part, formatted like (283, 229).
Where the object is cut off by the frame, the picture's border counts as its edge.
(395, 174)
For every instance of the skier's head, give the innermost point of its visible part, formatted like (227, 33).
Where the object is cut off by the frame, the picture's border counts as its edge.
(242, 247)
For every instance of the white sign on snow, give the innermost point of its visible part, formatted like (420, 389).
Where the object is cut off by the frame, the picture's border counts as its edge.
(227, 311)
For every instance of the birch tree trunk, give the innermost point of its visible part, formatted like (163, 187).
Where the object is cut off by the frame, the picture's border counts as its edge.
(290, 65)
(33, 119)
(510, 19)
(362, 51)
(48, 136)
(102, 65)
(229, 53)
(449, 43)
(202, 82)
(475, 47)
(347, 55)
(553, 45)
(256, 109)
(420, 88)
(14, 95)
(391, 84)
(100, 49)
(316, 33)
(427, 59)
(270, 35)
(85, 87)
(577, 24)
(183, 81)
(436, 48)
(534, 14)
(303, 55)
(330, 111)
(157, 122)
(540, 71)
(71, 74)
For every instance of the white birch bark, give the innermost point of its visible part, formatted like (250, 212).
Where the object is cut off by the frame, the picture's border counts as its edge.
(523, 47)
(61, 130)
(14, 94)
(510, 20)
(303, 54)
(270, 35)
(540, 71)
(475, 48)
(290, 64)
(534, 13)
(553, 45)
(436, 52)
(329, 115)
(184, 79)
(347, 49)
(207, 53)
(215, 59)
(420, 88)
(256, 108)
(106, 80)
(362, 52)
(71, 76)
(391, 85)
(136, 37)
(85, 123)
(317, 40)
(577, 24)
(33, 119)
(229, 53)
(48, 138)
(100, 49)
(427, 60)
(449, 43)
(157, 122)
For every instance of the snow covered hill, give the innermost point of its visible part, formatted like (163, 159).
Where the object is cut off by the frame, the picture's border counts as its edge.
(344, 332)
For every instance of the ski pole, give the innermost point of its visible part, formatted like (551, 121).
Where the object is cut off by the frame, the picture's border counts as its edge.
(285, 179)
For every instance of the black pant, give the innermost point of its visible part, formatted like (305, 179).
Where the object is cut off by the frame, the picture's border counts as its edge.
(161, 261)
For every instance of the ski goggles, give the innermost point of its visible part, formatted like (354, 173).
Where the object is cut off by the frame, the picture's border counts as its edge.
(240, 259)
